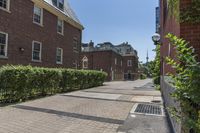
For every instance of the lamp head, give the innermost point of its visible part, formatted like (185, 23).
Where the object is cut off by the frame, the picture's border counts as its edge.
(156, 38)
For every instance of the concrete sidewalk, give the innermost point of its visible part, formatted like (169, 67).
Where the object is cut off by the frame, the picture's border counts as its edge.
(105, 109)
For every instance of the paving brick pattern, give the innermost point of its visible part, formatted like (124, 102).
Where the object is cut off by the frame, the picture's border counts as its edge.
(72, 114)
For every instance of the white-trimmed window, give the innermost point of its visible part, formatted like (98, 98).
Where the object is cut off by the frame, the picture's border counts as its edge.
(115, 61)
(5, 4)
(59, 56)
(38, 15)
(36, 51)
(59, 4)
(129, 63)
(85, 62)
(3, 44)
(75, 43)
(60, 26)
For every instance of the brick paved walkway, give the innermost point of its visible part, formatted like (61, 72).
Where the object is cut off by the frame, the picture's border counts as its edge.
(98, 110)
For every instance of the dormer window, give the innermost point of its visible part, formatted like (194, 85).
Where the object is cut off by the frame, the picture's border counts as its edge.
(59, 4)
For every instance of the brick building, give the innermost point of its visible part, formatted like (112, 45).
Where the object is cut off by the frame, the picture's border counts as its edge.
(120, 62)
(188, 31)
(39, 33)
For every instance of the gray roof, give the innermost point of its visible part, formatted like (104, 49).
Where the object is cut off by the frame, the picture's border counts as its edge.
(67, 10)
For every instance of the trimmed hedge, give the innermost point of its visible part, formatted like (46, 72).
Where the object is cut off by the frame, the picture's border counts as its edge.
(19, 83)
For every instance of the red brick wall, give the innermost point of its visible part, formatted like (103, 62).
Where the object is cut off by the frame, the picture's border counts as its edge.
(189, 32)
(134, 67)
(22, 31)
(105, 60)
(168, 25)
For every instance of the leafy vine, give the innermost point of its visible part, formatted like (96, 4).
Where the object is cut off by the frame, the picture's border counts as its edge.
(189, 14)
(186, 81)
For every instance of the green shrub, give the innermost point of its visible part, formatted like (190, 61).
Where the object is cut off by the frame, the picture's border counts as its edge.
(156, 80)
(186, 81)
(143, 76)
(19, 83)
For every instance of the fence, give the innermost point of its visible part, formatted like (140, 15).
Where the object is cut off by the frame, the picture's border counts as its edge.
(167, 90)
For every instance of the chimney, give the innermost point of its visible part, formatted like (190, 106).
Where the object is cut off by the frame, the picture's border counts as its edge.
(91, 44)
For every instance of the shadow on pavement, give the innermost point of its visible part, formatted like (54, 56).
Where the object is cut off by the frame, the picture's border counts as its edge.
(68, 114)
(97, 98)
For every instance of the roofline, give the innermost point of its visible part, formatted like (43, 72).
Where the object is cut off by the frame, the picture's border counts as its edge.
(109, 50)
(58, 13)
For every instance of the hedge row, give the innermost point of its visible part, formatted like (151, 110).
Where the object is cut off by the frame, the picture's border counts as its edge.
(19, 83)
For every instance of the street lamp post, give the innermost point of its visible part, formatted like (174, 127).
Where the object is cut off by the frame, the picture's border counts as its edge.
(156, 38)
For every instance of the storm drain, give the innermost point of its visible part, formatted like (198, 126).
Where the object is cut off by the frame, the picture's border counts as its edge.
(148, 109)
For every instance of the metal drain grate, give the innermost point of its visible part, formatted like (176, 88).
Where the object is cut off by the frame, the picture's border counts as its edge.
(149, 109)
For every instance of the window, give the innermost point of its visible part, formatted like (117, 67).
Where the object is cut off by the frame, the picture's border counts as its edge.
(3, 44)
(75, 43)
(85, 62)
(59, 4)
(5, 4)
(38, 15)
(121, 62)
(129, 63)
(59, 55)
(36, 51)
(115, 61)
(60, 26)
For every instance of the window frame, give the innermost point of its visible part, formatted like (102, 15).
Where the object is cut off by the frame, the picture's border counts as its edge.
(6, 45)
(115, 61)
(85, 59)
(75, 42)
(57, 4)
(7, 9)
(41, 17)
(61, 56)
(61, 33)
(129, 63)
(40, 54)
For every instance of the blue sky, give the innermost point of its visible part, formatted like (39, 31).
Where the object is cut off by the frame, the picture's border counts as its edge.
(118, 21)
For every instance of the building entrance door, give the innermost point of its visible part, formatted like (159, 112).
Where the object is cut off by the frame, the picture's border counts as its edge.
(129, 76)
